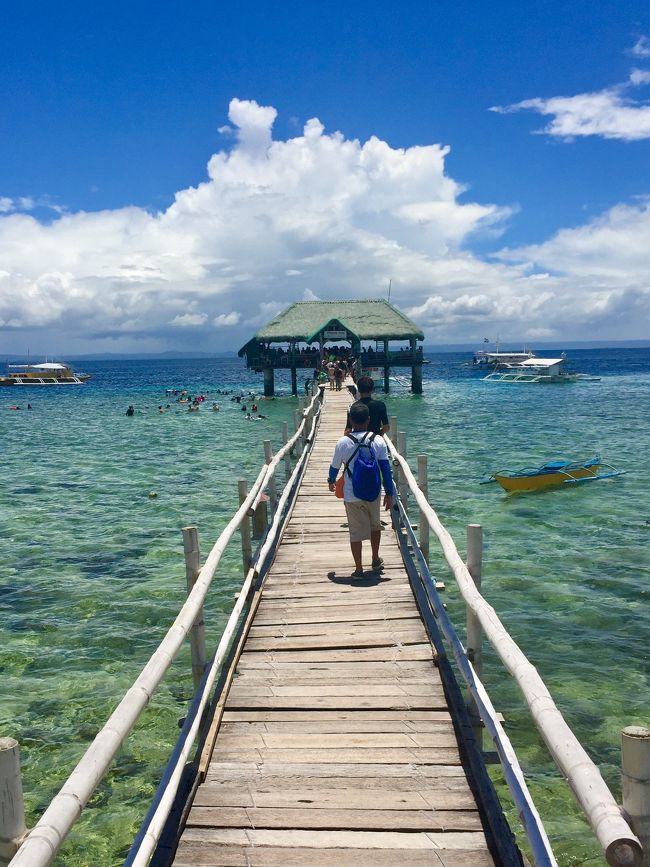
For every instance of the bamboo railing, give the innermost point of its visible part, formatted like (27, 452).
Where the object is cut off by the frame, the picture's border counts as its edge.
(45, 839)
(619, 843)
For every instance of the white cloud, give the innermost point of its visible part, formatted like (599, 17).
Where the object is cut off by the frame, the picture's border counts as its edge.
(225, 319)
(640, 76)
(608, 113)
(641, 47)
(190, 320)
(342, 215)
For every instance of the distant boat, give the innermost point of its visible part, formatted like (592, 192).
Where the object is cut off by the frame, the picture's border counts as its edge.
(553, 473)
(497, 358)
(46, 373)
(538, 370)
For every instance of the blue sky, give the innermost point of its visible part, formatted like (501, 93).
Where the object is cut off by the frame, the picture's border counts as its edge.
(530, 220)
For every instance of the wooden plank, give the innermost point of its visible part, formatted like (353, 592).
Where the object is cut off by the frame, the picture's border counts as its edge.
(415, 668)
(343, 740)
(207, 854)
(426, 701)
(397, 653)
(392, 774)
(338, 726)
(225, 795)
(273, 686)
(411, 717)
(429, 841)
(348, 819)
(339, 641)
(395, 756)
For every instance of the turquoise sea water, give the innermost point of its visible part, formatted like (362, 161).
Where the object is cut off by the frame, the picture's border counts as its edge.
(91, 567)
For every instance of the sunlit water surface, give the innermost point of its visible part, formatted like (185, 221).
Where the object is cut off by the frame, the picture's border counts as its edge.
(91, 566)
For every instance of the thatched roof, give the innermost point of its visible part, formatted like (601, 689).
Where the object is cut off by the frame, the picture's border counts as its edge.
(367, 320)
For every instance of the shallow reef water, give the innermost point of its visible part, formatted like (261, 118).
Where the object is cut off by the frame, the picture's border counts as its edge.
(92, 573)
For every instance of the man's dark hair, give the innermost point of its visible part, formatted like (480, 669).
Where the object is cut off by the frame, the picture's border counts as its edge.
(365, 384)
(359, 413)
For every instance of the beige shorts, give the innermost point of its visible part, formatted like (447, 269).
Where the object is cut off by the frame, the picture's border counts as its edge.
(363, 517)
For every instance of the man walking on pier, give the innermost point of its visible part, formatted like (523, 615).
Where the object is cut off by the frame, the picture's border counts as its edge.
(377, 408)
(363, 455)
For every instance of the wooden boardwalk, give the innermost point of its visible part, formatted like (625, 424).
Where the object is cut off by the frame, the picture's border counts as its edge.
(336, 746)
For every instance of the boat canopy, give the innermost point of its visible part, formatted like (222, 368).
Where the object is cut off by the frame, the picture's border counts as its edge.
(540, 362)
(46, 365)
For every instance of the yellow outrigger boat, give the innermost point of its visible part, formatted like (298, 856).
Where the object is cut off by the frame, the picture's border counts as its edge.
(553, 473)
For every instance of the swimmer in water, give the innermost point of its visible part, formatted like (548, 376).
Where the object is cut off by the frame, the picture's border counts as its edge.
(130, 410)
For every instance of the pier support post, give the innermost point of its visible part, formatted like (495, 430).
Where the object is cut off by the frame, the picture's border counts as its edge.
(245, 529)
(416, 379)
(268, 457)
(416, 369)
(260, 518)
(197, 635)
(12, 810)
(287, 457)
(635, 772)
(474, 644)
(402, 483)
(392, 433)
(269, 382)
(386, 368)
(294, 382)
(423, 484)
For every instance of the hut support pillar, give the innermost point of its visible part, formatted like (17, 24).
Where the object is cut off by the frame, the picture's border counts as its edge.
(386, 368)
(269, 382)
(294, 382)
(416, 371)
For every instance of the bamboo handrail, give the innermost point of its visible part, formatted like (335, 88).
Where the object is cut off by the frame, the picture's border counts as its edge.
(45, 839)
(139, 856)
(538, 839)
(617, 840)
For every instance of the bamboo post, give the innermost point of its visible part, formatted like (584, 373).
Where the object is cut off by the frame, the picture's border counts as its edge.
(245, 528)
(635, 768)
(260, 518)
(268, 457)
(392, 433)
(197, 633)
(423, 484)
(474, 644)
(403, 484)
(12, 810)
(287, 457)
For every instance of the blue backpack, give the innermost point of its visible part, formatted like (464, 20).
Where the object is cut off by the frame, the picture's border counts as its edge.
(366, 479)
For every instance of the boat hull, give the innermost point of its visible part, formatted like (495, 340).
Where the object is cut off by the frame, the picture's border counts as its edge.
(545, 480)
(43, 380)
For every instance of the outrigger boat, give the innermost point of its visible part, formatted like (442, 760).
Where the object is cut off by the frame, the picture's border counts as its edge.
(47, 373)
(553, 473)
(538, 370)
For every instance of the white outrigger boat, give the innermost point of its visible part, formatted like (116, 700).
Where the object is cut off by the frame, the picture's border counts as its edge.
(538, 370)
(46, 373)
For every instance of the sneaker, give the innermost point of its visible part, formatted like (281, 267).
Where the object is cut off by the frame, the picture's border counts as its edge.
(358, 573)
(378, 563)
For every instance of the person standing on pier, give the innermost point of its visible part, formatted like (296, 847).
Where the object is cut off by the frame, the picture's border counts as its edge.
(377, 408)
(364, 516)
